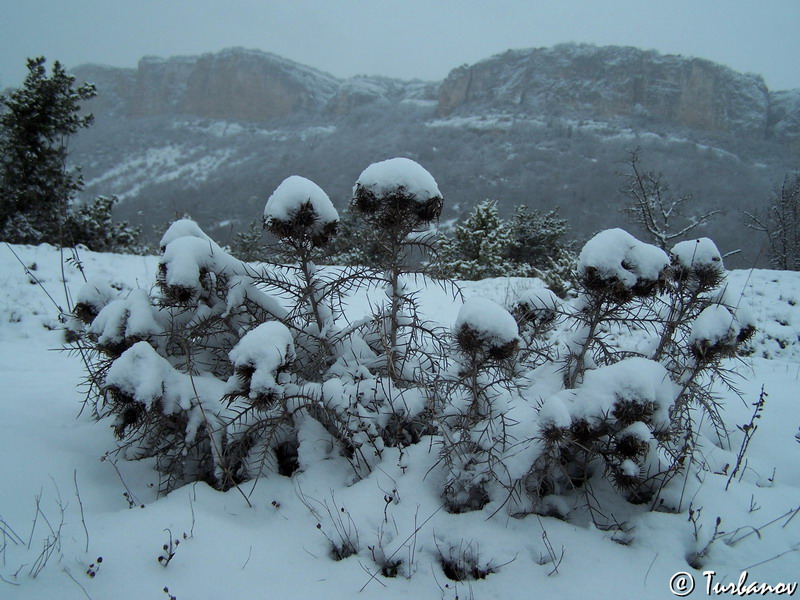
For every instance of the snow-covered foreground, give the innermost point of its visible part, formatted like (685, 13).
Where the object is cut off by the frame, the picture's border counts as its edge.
(62, 507)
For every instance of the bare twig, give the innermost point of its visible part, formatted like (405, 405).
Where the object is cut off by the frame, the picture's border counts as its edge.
(80, 505)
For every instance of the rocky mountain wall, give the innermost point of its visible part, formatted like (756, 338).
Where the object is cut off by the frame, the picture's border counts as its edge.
(613, 81)
(212, 136)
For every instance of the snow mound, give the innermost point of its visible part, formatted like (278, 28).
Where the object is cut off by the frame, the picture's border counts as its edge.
(183, 228)
(263, 350)
(125, 318)
(146, 377)
(94, 295)
(399, 174)
(614, 254)
(701, 253)
(489, 321)
(539, 300)
(635, 380)
(185, 258)
(295, 192)
(715, 325)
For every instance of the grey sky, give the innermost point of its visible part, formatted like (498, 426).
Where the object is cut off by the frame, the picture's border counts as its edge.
(400, 38)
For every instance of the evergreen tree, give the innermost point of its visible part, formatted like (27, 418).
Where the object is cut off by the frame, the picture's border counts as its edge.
(538, 249)
(479, 246)
(91, 224)
(36, 122)
(536, 238)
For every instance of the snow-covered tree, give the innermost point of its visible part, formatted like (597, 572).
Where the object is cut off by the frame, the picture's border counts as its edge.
(530, 244)
(479, 247)
(36, 122)
(37, 190)
(91, 225)
(652, 207)
(781, 223)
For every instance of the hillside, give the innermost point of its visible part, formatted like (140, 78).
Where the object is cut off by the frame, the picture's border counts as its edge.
(546, 127)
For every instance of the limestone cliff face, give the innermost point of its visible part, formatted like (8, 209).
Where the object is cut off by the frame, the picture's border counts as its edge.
(232, 84)
(115, 88)
(583, 82)
(784, 118)
(613, 81)
(160, 85)
(253, 85)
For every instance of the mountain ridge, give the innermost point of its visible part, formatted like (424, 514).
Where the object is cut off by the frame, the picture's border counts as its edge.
(545, 126)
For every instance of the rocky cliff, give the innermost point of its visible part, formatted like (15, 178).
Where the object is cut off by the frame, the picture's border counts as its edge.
(579, 80)
(568, 80)
(240, 84)
(214, 135)
(232, 84)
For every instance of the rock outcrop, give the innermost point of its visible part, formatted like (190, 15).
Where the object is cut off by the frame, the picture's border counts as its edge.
(232, 84)
(784, 118)
(602, 82)
(571, 81)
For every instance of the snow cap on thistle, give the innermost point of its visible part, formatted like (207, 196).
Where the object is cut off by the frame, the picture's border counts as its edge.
(299, 209)
(716, 332)
(615, 262)
(698, 259)
(397, 189)
(485, 327)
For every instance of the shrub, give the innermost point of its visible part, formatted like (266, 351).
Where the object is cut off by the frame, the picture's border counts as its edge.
(218, 368)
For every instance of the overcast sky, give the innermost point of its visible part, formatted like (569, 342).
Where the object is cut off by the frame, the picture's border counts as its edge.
(400, 38)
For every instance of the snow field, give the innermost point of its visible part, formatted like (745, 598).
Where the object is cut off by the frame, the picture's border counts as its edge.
(270, 545)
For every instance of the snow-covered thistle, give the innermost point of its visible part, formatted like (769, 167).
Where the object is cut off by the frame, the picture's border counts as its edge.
(219, 369)
(476, 392)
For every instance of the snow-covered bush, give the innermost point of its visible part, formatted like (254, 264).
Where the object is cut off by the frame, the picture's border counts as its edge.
(159, 360)
(628, 411)
(477, 392)
(614, 269)
(224, 368)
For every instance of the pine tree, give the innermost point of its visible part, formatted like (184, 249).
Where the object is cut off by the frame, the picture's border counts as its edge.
(36, 122)
(479, 246)
(538, 248)
(91, 224)
(536, 238)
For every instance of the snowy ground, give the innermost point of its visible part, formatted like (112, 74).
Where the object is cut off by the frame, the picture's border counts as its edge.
(62, 507)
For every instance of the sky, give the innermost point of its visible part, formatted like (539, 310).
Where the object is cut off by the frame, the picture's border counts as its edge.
(408, 39)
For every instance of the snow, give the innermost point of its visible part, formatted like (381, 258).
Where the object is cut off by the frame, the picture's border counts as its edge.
(129, 317)
(633, 379)
(539, 300)
(95, 293)
(389, 176)
(183, 228)
(553, 412)
(233, 548)
(699, 253)
(293, 193)
(145, 376)
(266, 349)
(489, 320)
(716, 324)
(616, 254)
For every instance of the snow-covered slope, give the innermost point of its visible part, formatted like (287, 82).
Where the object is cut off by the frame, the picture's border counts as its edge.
(62, 508)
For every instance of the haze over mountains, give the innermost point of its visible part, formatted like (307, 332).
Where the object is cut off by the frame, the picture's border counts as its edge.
(214, 135)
